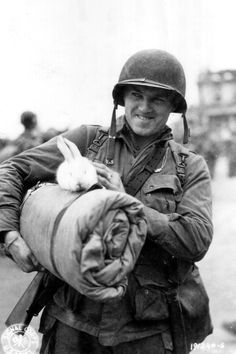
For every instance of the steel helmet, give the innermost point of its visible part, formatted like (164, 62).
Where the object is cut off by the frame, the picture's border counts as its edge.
(153, 68)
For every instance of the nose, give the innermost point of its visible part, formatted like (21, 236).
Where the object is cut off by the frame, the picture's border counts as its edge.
(145, 106)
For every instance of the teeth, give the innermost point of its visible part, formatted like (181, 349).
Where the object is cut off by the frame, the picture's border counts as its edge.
(142, 117)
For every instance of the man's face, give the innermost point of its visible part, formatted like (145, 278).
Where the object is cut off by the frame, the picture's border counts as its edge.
(146, 109)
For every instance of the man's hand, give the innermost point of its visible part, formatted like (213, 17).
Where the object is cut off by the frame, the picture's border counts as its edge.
(20, 252)
(108, 178)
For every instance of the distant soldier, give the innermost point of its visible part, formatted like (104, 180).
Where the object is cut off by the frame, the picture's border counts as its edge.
(31, 136)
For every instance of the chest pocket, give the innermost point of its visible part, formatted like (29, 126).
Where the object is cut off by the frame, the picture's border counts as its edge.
(162, 192)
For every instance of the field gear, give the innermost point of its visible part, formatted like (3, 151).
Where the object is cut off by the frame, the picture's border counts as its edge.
(179, 155)
(39, 292)
(179, 221)
(187, 326)
(61, 338)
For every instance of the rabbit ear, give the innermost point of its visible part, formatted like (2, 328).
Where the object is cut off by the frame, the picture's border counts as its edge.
(68, 149)
(73, 148)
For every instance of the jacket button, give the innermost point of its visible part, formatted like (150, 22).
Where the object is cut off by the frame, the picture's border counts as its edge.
(151, 187)
(146, 292)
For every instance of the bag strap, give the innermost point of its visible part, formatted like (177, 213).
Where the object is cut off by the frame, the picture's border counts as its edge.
(180, 154)
(100, 135)
(137, 180)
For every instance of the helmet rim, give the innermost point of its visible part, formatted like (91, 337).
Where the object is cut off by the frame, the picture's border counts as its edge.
(154, 68)
(118, 95)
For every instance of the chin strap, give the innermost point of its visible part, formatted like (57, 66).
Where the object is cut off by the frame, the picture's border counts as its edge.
(186, 129)
(111, 138)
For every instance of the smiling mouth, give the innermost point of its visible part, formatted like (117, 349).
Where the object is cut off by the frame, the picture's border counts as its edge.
(144, 118)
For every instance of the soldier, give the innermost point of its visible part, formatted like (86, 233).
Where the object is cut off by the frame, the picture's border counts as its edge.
(165, 309)
(31, 136)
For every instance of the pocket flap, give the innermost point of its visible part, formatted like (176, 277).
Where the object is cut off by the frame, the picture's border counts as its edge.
(157, 181)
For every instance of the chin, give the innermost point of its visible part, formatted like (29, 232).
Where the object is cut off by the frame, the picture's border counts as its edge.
(140, 132)
(143, 132)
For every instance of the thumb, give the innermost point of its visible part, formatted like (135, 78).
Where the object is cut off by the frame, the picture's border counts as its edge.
(37, 266)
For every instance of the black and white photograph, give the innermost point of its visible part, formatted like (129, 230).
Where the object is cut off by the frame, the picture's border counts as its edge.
(117, 177)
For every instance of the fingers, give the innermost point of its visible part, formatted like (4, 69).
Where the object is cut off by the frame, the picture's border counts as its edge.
(104, 182)
(103, 170)
(35, 264)
(20, 252)
(108, 178)
(25, 264)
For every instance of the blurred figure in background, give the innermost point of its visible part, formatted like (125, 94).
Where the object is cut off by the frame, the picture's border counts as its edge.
(30, 137)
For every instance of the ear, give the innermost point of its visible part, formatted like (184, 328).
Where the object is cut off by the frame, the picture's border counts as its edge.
(73, 148)
(68, 149)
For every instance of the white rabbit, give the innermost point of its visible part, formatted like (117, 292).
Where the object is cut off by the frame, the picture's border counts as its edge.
(76, 173)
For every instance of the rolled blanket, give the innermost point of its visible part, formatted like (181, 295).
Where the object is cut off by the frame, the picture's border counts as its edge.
(90, 240)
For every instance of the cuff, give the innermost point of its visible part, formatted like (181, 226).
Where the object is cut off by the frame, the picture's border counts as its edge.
(157, 222)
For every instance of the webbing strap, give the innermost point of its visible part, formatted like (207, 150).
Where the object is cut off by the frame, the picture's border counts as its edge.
(98, 142)
(54, 232)
(180, 161)
(180, 167)
(57, 223)
(177, 322)
(137, 180)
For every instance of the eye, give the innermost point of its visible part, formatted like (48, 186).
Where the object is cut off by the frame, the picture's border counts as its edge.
(136, 94)
(160, 100)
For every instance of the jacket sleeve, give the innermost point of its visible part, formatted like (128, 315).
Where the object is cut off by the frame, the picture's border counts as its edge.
(187, 233)
(24, 170)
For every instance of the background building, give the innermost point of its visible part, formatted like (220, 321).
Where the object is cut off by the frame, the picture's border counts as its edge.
(213, 120)
(217, 101)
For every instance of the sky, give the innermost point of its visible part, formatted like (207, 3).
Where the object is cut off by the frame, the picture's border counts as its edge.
(61, 58)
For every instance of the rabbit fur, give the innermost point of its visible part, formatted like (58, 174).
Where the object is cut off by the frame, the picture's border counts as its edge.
(76, 173)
